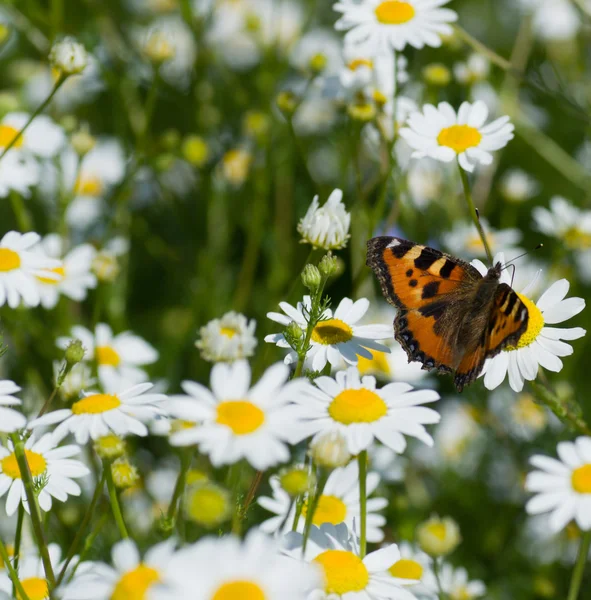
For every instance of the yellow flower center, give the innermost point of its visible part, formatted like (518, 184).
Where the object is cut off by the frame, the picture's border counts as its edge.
(58, 271)
(393, 12)
(35, 588)
(357, 63)
(330, 509)
(475, 244)
(90, 185)
(576, 239)
(95, 404)
(318, 62)
(195, 475)
(228, 332)
(37, 465)
(135, 583)
(125, 474)
(295, 481)
(437, 530)
(378, 363)
(527, 412)
(343, 571)
(406, 569)
(461, 594)
(535, 324)
(357, 406)
(332, 331)
(106, 355)
(241, 416)
(239, 590)
(459, 137)
(208, 505)
(581, 479)
(7, 134)
(9, 260)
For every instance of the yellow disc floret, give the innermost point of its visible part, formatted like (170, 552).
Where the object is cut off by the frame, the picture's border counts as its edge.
(535, 323)
(7, 134)
(9, 260)
(332, 331)
(106, 355)
(37, 465)
(241, 416)
(406, 569)
(96, 404)
(239, 590)
(343, 571)
(35, 588)
(134, 584)
(581, 479)
(357, 406)
(393, 12)
(459, 137)
(330, 509)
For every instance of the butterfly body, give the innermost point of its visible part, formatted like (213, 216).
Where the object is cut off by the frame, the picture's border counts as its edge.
(450, 317)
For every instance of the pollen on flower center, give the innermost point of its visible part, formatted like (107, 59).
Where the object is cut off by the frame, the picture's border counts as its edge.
(229, 332)
(581, 479)
(241, 416)
(9, 260)
(332, 331)
(343, 571)
(330, 509)
(535, 323)
(37, 465)
(357, 63)
(7, 134)
(394, 12)
(134, 584)
(459, 137)
(95, 404)
(88, 186)
(106, 355)
(406, 569)
(35, 588)
(58, 271)
(357, 406)
(239, 590)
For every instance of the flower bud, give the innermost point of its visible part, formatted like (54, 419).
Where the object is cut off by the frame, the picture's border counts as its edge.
(330, 450)
(74, 353)
(362, 111)
(105, 266)
(438, 537)
(287, 102)
(125, 475)
(82, 141)
(294, 331)
(109, 446)
(328, 265)
(296, 480)
(317, 63)
(208, 505)
(437, 74)
(158, 48)
(195, 150)
(68, 57)
(311, 277)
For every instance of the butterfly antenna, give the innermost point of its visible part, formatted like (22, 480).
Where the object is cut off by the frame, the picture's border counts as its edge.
(508, 263)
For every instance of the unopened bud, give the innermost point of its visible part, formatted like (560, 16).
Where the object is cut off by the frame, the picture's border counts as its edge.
(330, 450)
(68, 57)
(125, 475)
(74, 353)
(109, 446)
(438, 537)
(158, 47)
(328, 265)
(294, 331)
(195, 150)
(437, 74)
(311, 277)
(208, 505)
(296, 480)
(318, 63)
(82, 141)
(287, 102)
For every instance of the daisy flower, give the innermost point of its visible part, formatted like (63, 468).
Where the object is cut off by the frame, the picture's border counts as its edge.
(227, 339)
(456, 584)
(463, 240)
(326, 227)
(416, 566)
(20, 267)
(74, 273)
(563, 487)
(131, 576)
(98, 414)
(442, 134)
(554, 20)
(355, 408)
(18, 172)
(539, 345)
(42, 137)
(518, 186)
(10, 419)
(119, 357)
(337, 337)
(48, 462)
(235, 420)
(346, 575)
(393, 24)
(339, 503)
(231, 568)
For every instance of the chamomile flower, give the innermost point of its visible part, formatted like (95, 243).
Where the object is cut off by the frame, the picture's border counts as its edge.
(518, 186)
(20, 267)
(539, 345)
(10, 419)
(18, 172)
(338, 337)
(346, 575)
(326, 227)
(235, 569)
(42, 138)
(415, 566)
(442, 134)
(228, 338)
(339, 503)
(553, 20)
(381, 25)
(119, 358)
(361, 412)
(235, 420)
(563, 487)
(131, 576)
(456, 584)
(48, 463)
(98, 414)
(74, 273)
(463, 240)
(318, 51)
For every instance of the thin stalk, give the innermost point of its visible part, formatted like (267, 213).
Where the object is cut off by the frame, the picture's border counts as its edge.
(436, 567)
(179, 487)
(21, 213)
(12, 572)
(298, 513)
(482, 49)
(473, 213)
(568, 412)
(18, 536)
(82, 527)
(56, 87)
(362, 458)
(577, 578)
(313, 499)
(254, 486)
(27, 479)
(115, 506)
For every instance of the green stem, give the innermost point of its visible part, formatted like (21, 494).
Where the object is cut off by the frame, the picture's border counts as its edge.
(436, 568)
(569, 412)
(88, 543)
(254, 486)
(313, 499)
(12, 572)
(362, 458)
(149, 109)
(298, 513)
(18, 538)
(482, 49)
(82, 527)
(115, 506)
(473, 213)
(179, 487)
(577, 578)
(56, 87)
(21, 213)
(27, 479)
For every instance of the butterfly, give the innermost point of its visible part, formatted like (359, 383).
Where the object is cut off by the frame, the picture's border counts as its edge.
(450, 317)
